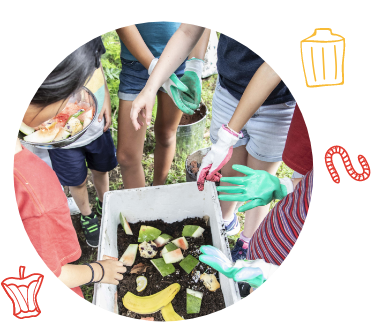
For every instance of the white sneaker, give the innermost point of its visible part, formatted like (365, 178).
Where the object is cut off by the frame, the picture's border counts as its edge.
(74, 210)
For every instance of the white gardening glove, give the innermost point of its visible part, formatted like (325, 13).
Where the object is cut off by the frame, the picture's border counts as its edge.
(173, 86)
(217, 157)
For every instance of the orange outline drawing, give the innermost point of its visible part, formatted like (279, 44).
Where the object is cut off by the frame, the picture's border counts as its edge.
(322, 55)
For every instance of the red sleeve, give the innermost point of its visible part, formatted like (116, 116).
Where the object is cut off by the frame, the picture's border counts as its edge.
(78, 291)
(298, 151)
(44, 211)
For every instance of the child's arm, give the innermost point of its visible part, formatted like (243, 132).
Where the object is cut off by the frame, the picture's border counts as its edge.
(200, 49)
(261, 85)
(76, 275)
(264, 81)
(134, 42)
(106, 109)
(176, 51)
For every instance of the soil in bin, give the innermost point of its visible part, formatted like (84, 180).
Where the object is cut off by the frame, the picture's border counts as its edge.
(193, 169)
(211, 301)
(190, 119)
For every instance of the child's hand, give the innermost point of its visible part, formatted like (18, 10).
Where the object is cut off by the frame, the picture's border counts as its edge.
(219, 154)
(143, 104)
(257, 186)
(175, 88)
(190, 99)
(254, 272)
(105, 114)
(113, 271)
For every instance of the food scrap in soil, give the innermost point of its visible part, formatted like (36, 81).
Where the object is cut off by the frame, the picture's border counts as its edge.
(190, 119)
(211, 302)
(194, 167)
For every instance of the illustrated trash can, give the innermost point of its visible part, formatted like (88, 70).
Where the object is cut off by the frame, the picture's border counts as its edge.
(323, 58)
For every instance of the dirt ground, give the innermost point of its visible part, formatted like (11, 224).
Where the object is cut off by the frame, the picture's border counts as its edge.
(89, 254)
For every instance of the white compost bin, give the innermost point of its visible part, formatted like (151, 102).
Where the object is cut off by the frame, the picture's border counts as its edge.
(170, 203)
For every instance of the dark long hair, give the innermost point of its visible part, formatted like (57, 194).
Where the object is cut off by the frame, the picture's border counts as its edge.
(70, 74)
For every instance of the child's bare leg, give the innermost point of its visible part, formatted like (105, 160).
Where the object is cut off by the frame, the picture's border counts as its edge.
(255, 216)
(81, 197)
(167, 121)
(101, 183)
(239, 156)
(130, 145)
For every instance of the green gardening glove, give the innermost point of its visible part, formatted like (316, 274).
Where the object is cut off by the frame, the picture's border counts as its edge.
(254, 272)
(258, 186)
(191, 98)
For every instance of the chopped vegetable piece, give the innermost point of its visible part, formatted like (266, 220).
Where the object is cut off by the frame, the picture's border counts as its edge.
(128, 258)
(147, 233)
(162, 267)
(125, 225)
(173, 257)
(189, 263)
(181, 242)
(194, 300)
(192, 231)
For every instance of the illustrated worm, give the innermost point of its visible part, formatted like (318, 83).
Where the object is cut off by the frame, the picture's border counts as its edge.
(336, 149)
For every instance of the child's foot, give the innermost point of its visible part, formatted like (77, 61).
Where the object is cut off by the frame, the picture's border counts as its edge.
(91, 229)
(74, 210)
(233, 227)
(98, 206)
(245, 289)
(240, 250)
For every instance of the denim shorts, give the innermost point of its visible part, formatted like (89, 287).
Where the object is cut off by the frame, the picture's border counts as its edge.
(71, 165)
(264, 134)
(133, 78)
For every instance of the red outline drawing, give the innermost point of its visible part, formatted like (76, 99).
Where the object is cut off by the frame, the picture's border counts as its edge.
(336, 149)
(23, 293)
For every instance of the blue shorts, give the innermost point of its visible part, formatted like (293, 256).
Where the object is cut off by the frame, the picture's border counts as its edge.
(133, 78)
(264, 134)
(71, 165)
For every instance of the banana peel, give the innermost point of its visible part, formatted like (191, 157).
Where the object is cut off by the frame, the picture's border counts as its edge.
(150, 304)
(169, 314)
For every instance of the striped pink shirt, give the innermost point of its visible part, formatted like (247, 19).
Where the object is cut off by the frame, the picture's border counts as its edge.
(280, 229)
